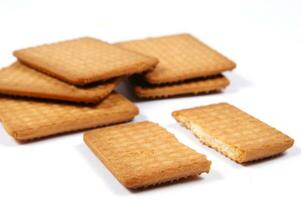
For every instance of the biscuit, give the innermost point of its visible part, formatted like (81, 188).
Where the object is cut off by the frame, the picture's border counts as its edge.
(29, 119)
(233, 132)
(84, 60)
(196, 86)
(20, 80)
(144, 154)
(181, 57)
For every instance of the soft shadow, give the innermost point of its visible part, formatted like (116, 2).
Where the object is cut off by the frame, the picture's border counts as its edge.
(236, 82)
(6, 139)
(140, 117)
(101, 170)
(125, 88)
(187, 180)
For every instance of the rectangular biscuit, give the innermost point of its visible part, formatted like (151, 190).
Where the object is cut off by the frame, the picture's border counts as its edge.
(143, 154)
(20, 80)
(84, 60)
(29, 119)
(195, 86)
(233, 132)
(181, 57)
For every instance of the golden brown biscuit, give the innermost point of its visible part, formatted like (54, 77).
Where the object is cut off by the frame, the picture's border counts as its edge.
(84, 60)
(143, 154)
(29, 119)
(181, 57)
(20, 80)
(233, 132)
(195, 86)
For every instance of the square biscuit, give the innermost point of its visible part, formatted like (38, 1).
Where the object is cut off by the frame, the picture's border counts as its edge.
(233, 132)
(143, 154)
(195, 86)
(84, 60)
(181, 57)
(20, 80)
(29, 119)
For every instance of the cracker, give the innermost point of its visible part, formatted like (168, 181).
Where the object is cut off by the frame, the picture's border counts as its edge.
(21, 80)
(84, 60)
(181, 57)
(28, 119)
(233, 132)
(143, 154)
(196, 86)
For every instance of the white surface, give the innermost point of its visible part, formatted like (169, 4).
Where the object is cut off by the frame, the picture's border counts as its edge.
(263, 37)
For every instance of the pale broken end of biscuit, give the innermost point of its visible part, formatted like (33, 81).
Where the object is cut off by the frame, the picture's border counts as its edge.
(240, 152)
(143, 154)
(208, 140)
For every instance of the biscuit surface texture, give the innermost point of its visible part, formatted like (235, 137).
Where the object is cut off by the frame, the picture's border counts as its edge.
(84, 60)
(233, 132)
(196, 86)
(28, 119)
(21, 80)
(181, 57)
(143, 154)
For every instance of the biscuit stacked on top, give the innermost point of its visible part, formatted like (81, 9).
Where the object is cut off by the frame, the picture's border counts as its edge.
(186, 66)
(46, 91)
(61, 77)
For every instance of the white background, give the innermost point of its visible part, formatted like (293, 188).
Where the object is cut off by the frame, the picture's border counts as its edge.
(262, 37)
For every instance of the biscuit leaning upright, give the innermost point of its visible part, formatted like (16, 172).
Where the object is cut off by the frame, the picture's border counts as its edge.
(84, 60)
(143, 154)
(233, 132)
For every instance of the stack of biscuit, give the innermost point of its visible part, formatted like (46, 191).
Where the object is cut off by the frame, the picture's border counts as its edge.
(69, 86)
(186, 66)
(46, 91)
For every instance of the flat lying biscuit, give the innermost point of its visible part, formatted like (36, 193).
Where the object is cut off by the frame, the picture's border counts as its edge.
(84, 60)
(28, 119)
(196, 86)
(143, 154)
(21, 80)
(233, 132)
(181, 57)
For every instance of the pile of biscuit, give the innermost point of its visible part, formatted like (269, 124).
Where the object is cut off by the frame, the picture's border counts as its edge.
(69, 86)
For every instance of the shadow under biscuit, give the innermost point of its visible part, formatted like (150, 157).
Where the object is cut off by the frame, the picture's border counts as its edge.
(99, 169)
(237, 82)
(126, 89)
(5, 139)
